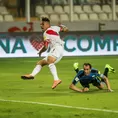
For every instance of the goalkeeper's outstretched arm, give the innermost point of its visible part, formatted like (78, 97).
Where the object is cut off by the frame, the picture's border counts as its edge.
(73, 87)
(107, 83)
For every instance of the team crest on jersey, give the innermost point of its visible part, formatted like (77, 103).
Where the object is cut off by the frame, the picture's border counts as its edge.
(76, 79)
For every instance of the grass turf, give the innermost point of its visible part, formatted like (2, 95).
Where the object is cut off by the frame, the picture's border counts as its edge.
(39, 90)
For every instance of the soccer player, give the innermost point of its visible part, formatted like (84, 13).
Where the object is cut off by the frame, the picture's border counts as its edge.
(53, 41)
(89, 75)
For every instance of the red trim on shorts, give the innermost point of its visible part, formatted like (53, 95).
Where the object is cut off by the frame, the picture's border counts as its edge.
(51, 32)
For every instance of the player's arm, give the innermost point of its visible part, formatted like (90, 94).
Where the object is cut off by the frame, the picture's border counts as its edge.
(73, 84)
(44, 47)
(107, 83)
(63, 28)
(73, 87)
(46, 42)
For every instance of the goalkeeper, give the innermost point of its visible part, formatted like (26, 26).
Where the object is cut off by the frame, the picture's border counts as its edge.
(89, 75)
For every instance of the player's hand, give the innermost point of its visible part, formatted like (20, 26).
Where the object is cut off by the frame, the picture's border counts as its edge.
(110, 90)
(41, 50)
(39, 54)
(63, 28)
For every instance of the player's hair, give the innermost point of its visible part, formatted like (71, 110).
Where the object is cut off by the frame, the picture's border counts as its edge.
(87, 64)
(45, 19)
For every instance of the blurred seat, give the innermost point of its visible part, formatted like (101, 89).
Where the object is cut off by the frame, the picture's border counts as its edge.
(87, 9)
(106, 9)
(97, 9)
(1, 18)
(83, 16)
(64, 2)
(10, 3)
(75, 17)
(55, 2)
(59, 2)
(93, 16)
(8, 18)
(58, 9)
(3, 10)
(44, 15)
(110, 16)
(103, 16)
(116, 8)
(91, 1)
(39, 10)
(64, 17)
(54, 17)
(48, 9)
(98, 1)
(78, 9)
(66, 9)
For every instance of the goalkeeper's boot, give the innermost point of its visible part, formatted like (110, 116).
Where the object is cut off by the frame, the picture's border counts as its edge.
(27, 77)
(111, 69)
(55, 83)
(76, 67)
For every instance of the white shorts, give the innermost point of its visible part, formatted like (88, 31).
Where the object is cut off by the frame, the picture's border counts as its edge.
(56, 52)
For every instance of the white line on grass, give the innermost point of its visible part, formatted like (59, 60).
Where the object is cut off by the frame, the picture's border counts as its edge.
(59, 105)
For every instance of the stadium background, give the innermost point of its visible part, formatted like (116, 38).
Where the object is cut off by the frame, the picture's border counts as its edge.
(92, 37)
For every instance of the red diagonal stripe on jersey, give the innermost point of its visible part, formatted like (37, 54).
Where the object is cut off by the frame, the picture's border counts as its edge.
(51, 32)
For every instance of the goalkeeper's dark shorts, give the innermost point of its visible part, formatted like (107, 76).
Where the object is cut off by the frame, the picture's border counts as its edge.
(85, 85)
(96, 82)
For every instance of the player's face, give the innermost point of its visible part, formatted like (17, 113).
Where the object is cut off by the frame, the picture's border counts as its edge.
(44, 25)
(87, 70)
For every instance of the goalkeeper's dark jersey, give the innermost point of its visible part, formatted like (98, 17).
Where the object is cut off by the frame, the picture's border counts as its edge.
(85, 80)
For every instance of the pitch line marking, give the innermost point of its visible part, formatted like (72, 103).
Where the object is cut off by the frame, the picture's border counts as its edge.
(59, 105)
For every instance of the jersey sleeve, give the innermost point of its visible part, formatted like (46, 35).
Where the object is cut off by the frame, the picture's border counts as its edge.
(56, 28)
(93, 70)
(51, 32)
(99, 75)
(102, 76)
(75, 80)
(77, 77)
(46, 37)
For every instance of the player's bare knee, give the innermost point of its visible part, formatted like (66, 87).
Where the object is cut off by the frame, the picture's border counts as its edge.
(101, 87)
(42, 63)
(51, 60)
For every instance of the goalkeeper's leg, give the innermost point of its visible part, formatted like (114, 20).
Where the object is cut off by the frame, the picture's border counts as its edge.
(108, 69)
(76, 67)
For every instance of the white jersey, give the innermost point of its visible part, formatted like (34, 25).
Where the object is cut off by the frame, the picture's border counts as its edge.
(52, 36)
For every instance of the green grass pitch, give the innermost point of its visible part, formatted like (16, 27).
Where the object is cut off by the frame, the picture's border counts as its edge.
(12, 87)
